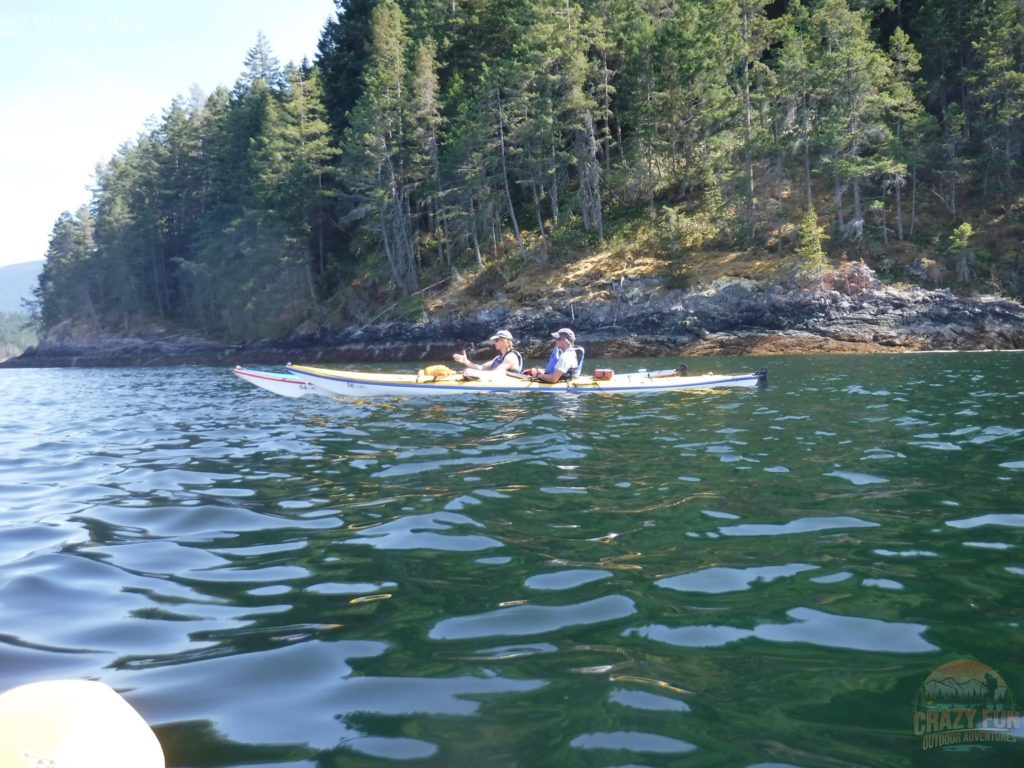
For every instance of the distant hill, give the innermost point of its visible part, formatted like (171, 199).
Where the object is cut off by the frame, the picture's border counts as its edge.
(16, 283)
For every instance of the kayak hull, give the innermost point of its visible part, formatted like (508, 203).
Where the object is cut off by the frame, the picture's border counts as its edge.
(286, 384)
(362, 384)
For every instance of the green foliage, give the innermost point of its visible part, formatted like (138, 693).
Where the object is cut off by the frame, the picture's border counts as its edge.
(432, 136)
(684, 232)
(811, 258)
(962, 252)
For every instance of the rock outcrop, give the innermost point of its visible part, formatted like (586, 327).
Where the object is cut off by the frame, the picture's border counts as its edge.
(735, 317)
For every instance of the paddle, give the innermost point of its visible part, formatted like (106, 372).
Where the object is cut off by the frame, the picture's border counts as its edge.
(74, 723)
(680, 370)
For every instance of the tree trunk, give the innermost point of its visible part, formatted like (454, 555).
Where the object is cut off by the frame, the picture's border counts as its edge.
(807, 155)
(618, 140)
(913, 200)
(858, 212)
(402, 247)
(606, 138)
(321, 250)
(504, 175)
(473, 236)
(899, 207)
(885, 229)
(838, 203)
(540, 221)
(441, 222)
(553, 189)
(590, 176)
(747, 155)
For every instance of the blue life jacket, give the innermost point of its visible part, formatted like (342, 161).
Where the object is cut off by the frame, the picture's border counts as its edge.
(516, 368)
(576, 370)
(550, 367)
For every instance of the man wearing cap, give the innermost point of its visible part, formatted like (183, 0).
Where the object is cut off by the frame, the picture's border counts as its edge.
(563, 358)
(508, 359)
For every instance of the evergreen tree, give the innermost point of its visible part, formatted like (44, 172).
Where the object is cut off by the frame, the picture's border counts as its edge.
(294, 159)
(341, 58)
(907, 114)
(798, 93)
(810, 252)
(998, 83)
(425, 161)
(261, 66)
(752, 37)
(67, 282)
(853, 74)
(374, 165)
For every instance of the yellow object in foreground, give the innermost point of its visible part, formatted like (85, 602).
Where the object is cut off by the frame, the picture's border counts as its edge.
(73, 724)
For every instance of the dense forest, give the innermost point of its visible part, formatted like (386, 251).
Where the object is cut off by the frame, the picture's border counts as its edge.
(433, 138)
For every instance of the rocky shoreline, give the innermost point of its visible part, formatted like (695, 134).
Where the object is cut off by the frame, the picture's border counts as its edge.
(736, 317)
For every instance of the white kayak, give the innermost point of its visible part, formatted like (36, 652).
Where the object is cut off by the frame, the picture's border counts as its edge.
(363, 384)
(286, 384)
(73, 724)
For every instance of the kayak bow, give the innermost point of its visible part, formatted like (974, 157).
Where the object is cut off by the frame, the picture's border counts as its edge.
(285, 384)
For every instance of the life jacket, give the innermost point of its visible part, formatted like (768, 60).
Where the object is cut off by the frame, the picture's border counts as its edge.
(516, 367)
(575, 371)
(578, 369)
(552, 359)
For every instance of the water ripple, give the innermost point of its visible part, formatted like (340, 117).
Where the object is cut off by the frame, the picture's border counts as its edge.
(633, 741)
(430, 531)
(719, 580)
(807, 626)
(533, 619)
(803, 525)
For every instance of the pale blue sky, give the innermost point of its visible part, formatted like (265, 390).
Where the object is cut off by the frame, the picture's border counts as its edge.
(81, 77)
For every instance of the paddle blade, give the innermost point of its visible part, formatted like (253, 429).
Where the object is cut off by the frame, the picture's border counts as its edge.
(74, 724)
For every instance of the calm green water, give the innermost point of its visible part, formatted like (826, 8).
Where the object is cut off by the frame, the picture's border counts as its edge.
(735, 578)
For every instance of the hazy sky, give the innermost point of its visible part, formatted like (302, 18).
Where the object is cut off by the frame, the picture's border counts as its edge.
(81, 77)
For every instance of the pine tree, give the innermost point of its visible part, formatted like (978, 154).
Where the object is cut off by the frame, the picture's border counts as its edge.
(852, 74)
(425, 162)
(67, 281)
(260, 66)
(341, 58)
(810, 252)
(753, 37)
(797, 94)
(907, 114)
(999, 85)
(962, 252)
(294, 158)
(374, 164)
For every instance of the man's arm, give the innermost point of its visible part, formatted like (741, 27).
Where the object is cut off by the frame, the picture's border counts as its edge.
(550, 378)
